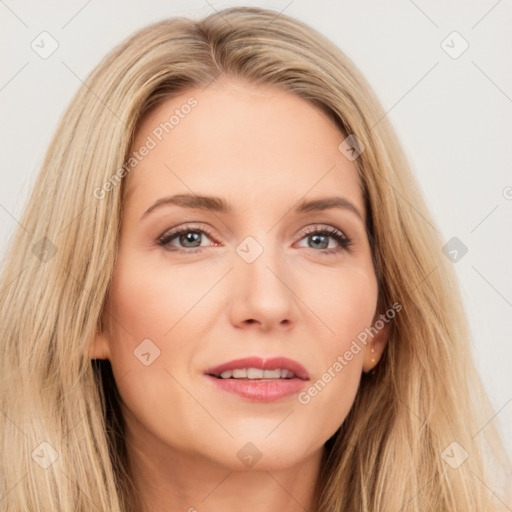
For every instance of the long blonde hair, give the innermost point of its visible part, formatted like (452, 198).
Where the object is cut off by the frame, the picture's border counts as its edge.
(61, 425)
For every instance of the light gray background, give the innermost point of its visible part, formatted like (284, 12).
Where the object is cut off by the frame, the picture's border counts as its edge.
(453, 117)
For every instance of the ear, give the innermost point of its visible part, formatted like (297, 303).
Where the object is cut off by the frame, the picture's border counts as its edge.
(100, 347)
(377, 341)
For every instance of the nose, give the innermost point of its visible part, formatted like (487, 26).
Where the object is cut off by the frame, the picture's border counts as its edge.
(265, 294)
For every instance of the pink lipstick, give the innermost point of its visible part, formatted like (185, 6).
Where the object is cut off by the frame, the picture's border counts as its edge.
(259, 379)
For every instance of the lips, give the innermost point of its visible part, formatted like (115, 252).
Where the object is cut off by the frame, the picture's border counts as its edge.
(274, 363)
(259, 380)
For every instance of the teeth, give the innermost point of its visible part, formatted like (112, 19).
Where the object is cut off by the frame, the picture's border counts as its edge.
(257, 373)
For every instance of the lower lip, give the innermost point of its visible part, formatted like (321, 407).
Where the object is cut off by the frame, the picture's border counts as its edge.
(260, 390)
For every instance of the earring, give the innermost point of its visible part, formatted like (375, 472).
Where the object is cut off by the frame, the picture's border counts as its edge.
(372, 360)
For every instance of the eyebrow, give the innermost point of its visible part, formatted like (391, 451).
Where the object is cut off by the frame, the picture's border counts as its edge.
(219, 205)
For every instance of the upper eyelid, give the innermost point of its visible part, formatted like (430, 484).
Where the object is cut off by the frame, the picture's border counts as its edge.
(324, 227)
(186, 227)
(198, 227)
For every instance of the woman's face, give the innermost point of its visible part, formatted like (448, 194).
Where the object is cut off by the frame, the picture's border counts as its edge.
(250, 279)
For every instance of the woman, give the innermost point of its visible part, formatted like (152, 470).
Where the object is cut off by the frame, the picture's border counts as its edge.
(226, 296)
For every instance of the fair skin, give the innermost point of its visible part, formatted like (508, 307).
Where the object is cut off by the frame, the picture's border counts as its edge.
(263, 150)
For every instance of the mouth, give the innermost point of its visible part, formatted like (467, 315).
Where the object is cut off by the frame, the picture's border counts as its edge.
(259, 379)
(257, 368)
(255, 374)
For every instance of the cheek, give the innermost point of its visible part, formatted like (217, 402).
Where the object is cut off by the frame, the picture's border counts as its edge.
(153, 327)
(345, 300)
(147, 301)
(143, 306)
(348, 304)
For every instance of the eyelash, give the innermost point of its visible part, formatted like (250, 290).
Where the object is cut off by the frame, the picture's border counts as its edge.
(344, 241)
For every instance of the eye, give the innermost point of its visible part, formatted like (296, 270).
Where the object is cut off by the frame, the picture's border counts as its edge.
(319, 238)
(190, 237)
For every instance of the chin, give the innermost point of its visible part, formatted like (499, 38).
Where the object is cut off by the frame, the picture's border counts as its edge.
(260, 454)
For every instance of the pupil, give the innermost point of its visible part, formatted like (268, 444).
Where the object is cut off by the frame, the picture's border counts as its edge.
(316, 238)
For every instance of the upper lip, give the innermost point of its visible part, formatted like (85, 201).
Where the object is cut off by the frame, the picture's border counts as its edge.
(272, 363)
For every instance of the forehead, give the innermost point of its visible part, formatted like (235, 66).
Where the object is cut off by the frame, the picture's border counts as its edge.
(241, 141)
